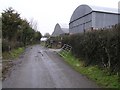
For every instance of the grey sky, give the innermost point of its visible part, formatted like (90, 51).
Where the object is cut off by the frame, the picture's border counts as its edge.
(49, 12)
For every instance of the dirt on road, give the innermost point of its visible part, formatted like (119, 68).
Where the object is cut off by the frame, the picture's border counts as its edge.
(43, 68)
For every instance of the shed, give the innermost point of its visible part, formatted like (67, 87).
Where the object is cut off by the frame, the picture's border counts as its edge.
(60, 29)
(86, 17)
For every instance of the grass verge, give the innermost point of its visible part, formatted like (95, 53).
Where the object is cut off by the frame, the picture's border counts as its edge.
(92, 72)
(8, 57)
(13, 53)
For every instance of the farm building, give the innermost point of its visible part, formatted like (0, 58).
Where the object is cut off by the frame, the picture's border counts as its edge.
(60, 30)
(92, 17)
(43, 39)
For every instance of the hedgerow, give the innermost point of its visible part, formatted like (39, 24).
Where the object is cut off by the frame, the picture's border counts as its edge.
(98, 47)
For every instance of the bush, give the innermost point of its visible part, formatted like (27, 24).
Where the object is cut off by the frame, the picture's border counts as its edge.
(98, 47)
(7, 45)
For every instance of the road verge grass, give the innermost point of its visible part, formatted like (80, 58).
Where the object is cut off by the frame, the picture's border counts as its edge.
(13, 53)
(92, 72)
(8, 58)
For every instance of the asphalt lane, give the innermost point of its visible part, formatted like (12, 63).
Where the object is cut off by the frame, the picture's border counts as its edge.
(43, 68)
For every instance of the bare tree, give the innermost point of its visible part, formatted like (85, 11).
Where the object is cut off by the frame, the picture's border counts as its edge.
(34, 24)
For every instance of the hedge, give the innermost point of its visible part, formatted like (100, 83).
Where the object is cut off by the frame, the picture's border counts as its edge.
(97, 47)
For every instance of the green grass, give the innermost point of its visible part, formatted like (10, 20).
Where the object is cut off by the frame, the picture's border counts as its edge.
(13, 53)
(92, 72)
(10, 56)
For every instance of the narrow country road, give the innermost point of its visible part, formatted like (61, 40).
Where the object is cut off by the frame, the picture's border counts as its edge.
(43, 68)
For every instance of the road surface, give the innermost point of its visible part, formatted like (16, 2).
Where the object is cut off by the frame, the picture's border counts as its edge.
(43, 68)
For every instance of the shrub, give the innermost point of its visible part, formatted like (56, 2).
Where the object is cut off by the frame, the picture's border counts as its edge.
(98, 47)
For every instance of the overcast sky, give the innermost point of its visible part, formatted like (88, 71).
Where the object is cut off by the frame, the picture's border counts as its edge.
(49, 12)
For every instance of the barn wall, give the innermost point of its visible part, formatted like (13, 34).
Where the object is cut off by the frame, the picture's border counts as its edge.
(102, 20)
(95, 20)
(80, 24)
(85, 17)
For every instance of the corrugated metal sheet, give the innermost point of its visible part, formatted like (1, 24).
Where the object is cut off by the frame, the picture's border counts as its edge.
(86, 17)
(104, 9)
(60, 29)
(82, 10)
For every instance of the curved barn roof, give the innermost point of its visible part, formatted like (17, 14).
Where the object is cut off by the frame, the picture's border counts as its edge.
(83, 10)
(60, 29)
(64, 28)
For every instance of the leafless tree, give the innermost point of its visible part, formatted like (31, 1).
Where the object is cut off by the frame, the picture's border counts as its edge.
(34, 24)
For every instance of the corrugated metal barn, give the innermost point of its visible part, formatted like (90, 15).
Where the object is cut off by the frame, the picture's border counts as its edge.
(91, 17)
(60, 30)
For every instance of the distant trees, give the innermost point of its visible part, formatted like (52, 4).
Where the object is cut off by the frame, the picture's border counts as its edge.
(17, 31)
(37, 36)
(47, 35)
